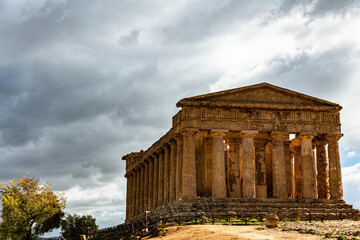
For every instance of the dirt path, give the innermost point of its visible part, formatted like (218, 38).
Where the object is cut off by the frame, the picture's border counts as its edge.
(221, 232)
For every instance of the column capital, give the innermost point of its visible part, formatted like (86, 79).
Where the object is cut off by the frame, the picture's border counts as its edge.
(218, 132)
(295, 142)
(248, 133)
(189, 132)
(296, 149)
(331, 137)
(160, 150)
(280, 135)
(165, 146)
(306, 135)
(172, 142)
(178, 137)
(319, 141)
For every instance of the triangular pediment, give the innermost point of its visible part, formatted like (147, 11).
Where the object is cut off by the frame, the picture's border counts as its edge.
(258, 94)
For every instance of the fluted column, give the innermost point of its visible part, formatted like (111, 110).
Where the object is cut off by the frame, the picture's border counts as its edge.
(141, 188)
(161, 178)
(166, 173)
(336, 187)
(218, 163)
(248, 163)
(309, 189)
(234, 154)
(279, 171)
(146, 185)
(128, 195)
(296, 150)
(188, 163)
(289, 170)
(179, 145)
(260, 169)
(151, 184)
(322, 169)
(138, 198)
(172, 181)
(133, 192)
(269, 171)
(155, 180)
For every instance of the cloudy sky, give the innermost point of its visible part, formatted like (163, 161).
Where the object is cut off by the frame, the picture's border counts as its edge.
(83, 83)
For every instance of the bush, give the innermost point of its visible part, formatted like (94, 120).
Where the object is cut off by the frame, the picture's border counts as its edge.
(341, 236)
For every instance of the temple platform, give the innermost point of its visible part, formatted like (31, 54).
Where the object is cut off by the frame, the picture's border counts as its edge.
(286, 209)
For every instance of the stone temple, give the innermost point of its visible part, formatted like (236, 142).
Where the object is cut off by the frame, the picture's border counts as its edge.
(249, 150)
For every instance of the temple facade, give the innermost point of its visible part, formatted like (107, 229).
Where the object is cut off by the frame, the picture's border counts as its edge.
(255, 142)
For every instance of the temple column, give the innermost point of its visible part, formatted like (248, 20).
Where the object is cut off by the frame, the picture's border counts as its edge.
(260, 169)
(309, 189)
(218, 163)
(336, 187)
(141, 188)
(179, 145)
(188, 163)
(172, 180)
(269, 171)
(137, 210)
(248, 163)
(146, 185)
(128, 195)
(279, 170)
(166, 173)
(289, 170)
(161, 177)
(296, 150)
(151, 184)
(155, 181)
(133, 200)
(235, 185)
(322, 169)
(208, 166)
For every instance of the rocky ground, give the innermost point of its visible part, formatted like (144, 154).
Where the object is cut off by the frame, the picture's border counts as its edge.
(285, 230)
(302, 230)
(349, 228)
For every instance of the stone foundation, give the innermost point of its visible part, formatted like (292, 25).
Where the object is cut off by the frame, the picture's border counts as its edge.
(286, 209)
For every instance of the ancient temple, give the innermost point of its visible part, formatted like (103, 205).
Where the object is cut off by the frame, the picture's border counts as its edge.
(259, 143)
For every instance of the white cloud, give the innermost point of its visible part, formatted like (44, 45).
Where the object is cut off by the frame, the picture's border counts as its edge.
(351, 184)
(351, 154)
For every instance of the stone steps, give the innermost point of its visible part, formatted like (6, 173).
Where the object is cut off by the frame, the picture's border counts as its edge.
(288, 209)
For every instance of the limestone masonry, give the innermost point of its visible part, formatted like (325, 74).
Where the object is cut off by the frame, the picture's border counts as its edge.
(231, 151)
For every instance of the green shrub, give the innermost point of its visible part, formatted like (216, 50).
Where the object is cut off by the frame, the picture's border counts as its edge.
(341, 236)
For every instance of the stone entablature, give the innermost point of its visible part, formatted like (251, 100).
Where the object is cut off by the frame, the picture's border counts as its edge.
(235, 144)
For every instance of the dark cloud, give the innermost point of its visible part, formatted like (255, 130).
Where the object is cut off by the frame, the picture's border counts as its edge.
(205, 19)
(129, 39)
(317, 8)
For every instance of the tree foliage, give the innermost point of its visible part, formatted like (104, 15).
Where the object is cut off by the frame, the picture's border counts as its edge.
(73, 226)
(29, 209)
